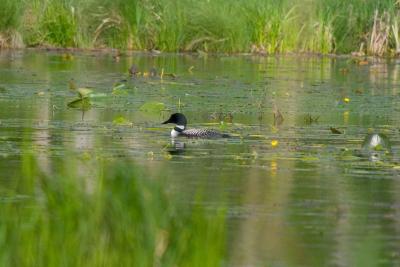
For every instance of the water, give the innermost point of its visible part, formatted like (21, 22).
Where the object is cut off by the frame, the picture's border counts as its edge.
(295, 193)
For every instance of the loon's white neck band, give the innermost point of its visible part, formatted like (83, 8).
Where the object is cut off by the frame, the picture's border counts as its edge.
(177, 130)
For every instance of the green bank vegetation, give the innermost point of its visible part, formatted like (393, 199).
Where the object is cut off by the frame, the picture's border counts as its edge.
(258, 26)
(108, 218)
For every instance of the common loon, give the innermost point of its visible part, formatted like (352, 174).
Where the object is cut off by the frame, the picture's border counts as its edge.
(376, 146)
(180, 128)
(376, 142)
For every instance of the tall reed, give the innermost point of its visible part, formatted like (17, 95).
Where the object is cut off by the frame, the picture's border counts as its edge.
(10, 19)
(265, 26)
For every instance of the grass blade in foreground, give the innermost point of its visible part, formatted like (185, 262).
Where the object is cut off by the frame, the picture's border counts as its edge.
(116, 219)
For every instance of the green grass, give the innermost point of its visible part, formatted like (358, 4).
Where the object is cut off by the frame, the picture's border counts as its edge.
(352, 21)
(108, 218)
(10, 19)
(10, 14)
(267, 26)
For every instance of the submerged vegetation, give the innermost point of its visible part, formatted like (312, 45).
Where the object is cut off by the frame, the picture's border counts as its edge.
(258, 26)
(107, 217)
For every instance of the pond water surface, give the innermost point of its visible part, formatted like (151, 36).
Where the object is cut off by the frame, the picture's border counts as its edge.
(296, 194)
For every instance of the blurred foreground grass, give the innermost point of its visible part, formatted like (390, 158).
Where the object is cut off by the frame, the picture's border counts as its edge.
(117, 218)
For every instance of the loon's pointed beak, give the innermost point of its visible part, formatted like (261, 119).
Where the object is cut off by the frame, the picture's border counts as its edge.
(167, 121)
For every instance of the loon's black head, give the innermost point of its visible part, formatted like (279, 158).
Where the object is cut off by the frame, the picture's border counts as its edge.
(180, 124)
(177, 118)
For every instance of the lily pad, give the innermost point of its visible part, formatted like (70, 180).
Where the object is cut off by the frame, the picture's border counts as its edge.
(119, 89)
(118, 86)
(81, 103)
(84, 92)
(97, 95)
(153, 107)
(119, 92)
(122, 121)
(223, 126)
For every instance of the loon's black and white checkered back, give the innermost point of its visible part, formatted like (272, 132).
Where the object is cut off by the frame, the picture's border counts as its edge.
(205, 133)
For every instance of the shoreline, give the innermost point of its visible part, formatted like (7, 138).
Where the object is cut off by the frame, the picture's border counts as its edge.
(124, 52)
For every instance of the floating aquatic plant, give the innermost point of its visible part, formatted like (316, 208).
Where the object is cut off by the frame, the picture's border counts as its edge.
(122, 121)
(335, 131)
(119, 89)
(309, 119)
(153, 107)
(83, 101)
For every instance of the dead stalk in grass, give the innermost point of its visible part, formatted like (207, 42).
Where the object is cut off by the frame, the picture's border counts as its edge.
(114, 21)
(379, 38)
(395, 31)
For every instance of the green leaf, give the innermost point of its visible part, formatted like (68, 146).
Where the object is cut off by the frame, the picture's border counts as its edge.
(122, 121)
(97, 95)
(119, 90)
(153, 107)
(84, 92)
(223, 126)
(118, 86)
(81, 103)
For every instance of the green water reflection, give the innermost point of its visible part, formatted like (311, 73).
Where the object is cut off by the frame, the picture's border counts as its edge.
(310, 200)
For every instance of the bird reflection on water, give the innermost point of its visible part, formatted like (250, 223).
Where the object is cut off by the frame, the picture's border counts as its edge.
(177, 147)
